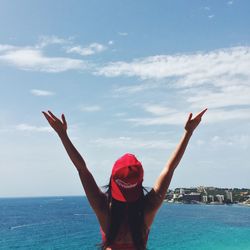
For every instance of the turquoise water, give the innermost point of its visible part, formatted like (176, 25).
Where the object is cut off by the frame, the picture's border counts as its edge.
(69, 223)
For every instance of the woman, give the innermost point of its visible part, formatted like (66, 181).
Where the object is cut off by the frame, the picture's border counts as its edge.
(125, 214)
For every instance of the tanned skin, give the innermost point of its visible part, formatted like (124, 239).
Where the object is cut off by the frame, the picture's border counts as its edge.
(98, 199)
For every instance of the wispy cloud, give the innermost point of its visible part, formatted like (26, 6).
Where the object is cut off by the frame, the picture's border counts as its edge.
(48, 40)
(31, 128)
(226, 96)
(189, 69)
(159, 110)
(92, 49)
(175, 118)
(216, 79)
(132, 143)
(230, 2)
(207, 8)
(93, 108)
(237, 140)
(123, 33)
(163, 115)
(220, 115)
(179, 118)
(210, 16)
(135, 88)
(6, 47)
(31, 59)
(39, 92)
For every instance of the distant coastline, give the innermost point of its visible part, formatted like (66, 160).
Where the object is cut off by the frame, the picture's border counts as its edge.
(209, 196)
(208, 204)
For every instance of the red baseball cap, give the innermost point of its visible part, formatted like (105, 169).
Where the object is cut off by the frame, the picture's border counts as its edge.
(126, 179)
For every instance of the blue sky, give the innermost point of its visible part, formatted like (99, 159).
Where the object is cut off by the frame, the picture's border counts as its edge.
(125, 74)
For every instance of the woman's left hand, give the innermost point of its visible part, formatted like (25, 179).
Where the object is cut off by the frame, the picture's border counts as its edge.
(191, 124)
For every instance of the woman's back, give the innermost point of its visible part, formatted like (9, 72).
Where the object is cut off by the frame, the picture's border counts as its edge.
(124, 225)
(123, 239)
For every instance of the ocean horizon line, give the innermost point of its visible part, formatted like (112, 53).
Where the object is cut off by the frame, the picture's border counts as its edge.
(83, 195)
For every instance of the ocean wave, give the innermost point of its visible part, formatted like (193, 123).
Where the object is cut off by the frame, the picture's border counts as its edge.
(52, 200)
(84, 214)
(26, 225)
(19, 226)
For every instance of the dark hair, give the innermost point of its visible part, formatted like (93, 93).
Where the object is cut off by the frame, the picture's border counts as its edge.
(134, 213)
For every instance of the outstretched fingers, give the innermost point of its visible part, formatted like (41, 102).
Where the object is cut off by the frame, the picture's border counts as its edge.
(58, 125)
(64, 120)
(49, 118)
(201, 113)
(53, 115)
(190, 117)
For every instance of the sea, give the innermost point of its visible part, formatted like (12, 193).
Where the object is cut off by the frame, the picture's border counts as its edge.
(69, 223)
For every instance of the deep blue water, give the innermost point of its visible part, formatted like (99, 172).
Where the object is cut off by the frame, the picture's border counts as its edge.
(69, 223)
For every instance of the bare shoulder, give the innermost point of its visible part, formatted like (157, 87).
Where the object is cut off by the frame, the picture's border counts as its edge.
(153, 200)
(152, 203)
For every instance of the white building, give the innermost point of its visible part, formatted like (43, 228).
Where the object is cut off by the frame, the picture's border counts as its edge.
(182, 191)
(229, 196)
(220, 198)
(204, 199)
(211, 198)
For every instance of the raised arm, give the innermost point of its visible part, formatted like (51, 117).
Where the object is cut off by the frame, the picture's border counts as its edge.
(96, 197)
(159, 190)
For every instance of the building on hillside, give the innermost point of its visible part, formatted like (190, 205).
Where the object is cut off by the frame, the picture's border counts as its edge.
(182, 191)
(210, 198)
(192, 197)
(229, 197)
(205, 199)
(169, 196)
(220, 198)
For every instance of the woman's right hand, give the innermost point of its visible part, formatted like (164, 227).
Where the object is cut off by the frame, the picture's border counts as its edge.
(59, 126)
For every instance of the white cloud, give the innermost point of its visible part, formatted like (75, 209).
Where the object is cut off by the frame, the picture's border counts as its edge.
(207, 8)
(172, 119)
(219, 115)
(86, 51)
(110, 42)
(132, 143)
(237, 140)
(122, 33)
(230, 2)
(211, 16)
(48, 40)
(135, 88)
(34, 60)
(159, 110)
(94, 108)
(6, 47)
(226, 96)
(215, 79)
(163, 115)
(39, 92)
(31, 128)
(189, 69)
(200, 142)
